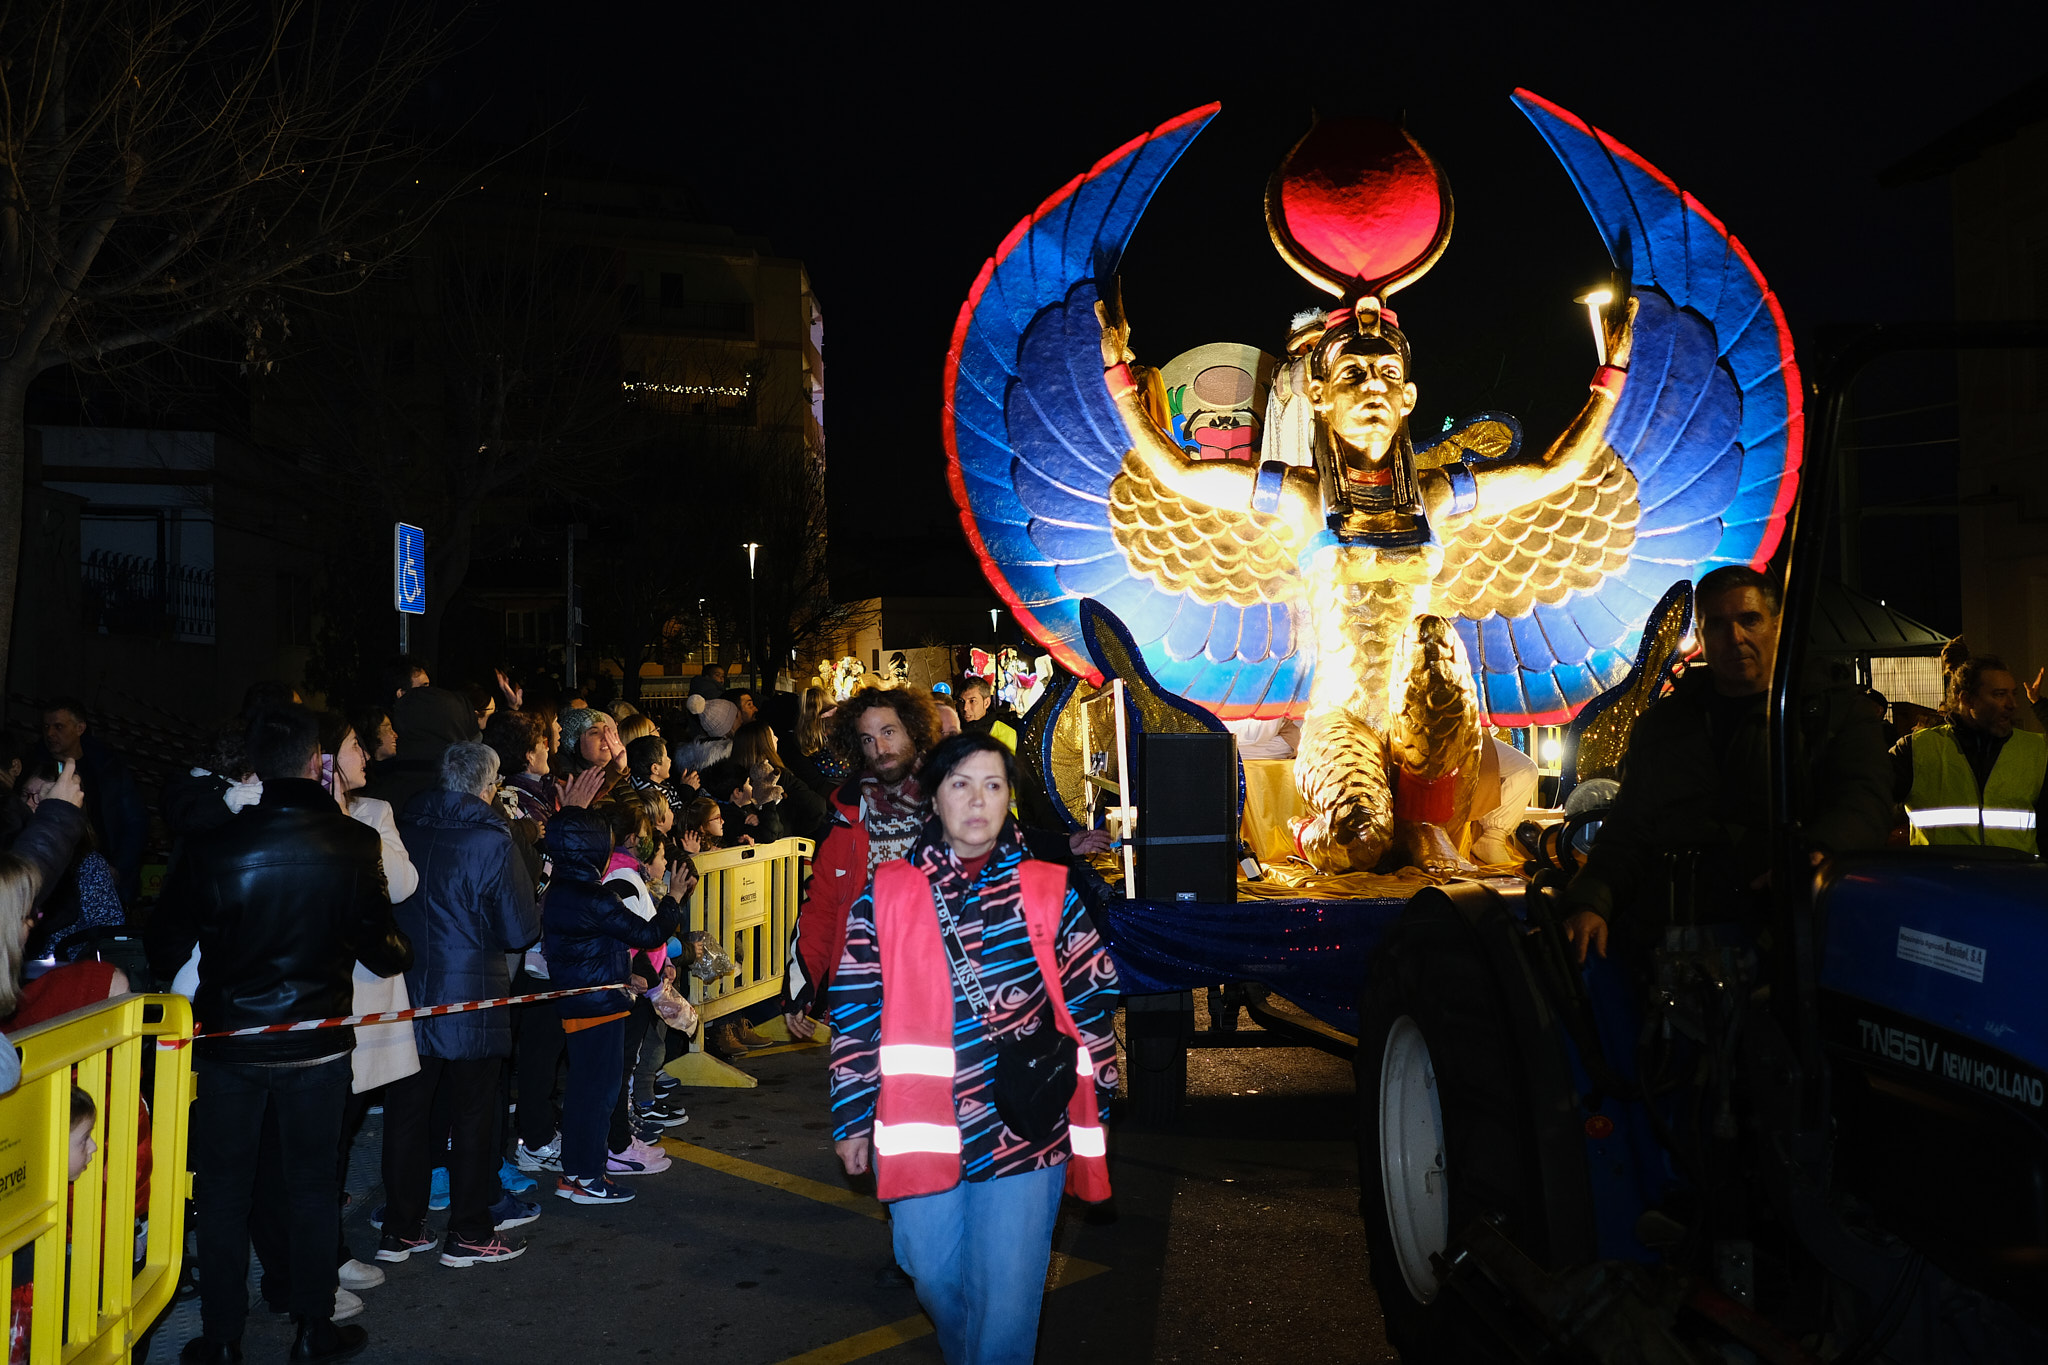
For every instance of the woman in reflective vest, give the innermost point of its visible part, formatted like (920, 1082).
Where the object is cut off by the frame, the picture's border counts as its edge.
(918, 1026)
(1975, 780)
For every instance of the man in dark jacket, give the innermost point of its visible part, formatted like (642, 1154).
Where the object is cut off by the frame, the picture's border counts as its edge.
(426, 720)
(283, 900)
(590, 935)
(709, 682)
(474, 904)
(1695, 782)
(112, 802)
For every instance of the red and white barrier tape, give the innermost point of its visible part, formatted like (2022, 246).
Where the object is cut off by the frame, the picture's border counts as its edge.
(388, 1016)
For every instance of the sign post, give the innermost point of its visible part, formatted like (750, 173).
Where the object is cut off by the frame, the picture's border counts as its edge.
(408, 579)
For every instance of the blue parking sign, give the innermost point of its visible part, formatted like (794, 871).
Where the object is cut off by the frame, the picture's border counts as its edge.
(409, 569)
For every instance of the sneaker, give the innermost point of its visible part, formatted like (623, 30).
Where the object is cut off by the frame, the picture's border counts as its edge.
(596, 1191)
(356, 1275)
(650, 1159)
(377, 1218)
(395, 1246)
(661, 1112)
(622, 1163)
(544, 1158)
(667, 1085)
(513, 1180)
(458, 1251)
(512, 1213)
(644, 1130)
(437, 1192)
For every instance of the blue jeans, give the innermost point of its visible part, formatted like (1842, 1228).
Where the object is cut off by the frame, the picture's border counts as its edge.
(978, 1253)
(597, 1066)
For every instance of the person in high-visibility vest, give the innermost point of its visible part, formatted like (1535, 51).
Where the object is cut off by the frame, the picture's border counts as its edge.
(1975, 779)
(981, 714)
(964, 959)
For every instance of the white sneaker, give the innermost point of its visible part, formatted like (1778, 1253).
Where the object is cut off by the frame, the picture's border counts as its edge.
(547, 1157)
(346, 1305)
(356, 1275)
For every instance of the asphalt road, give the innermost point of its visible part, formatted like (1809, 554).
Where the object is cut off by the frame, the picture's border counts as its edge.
(1232, 1238)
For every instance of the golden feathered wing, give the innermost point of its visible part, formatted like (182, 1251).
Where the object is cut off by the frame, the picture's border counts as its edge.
(1212, 554)
(1542, 552)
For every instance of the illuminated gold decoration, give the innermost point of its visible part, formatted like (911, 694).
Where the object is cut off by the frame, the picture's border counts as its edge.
(1484, 440)
(1392, 701)
(1158, 714)
(1064, 767)
(1543, 552)
(1242, 558)
(1604, 739)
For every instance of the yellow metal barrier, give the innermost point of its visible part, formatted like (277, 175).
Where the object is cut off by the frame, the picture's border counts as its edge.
(747, 900)
(92, 1300)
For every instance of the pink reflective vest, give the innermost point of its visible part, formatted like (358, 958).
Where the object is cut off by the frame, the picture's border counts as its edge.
(917, 1131)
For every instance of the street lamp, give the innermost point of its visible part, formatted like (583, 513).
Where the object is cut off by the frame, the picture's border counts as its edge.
(752, 638)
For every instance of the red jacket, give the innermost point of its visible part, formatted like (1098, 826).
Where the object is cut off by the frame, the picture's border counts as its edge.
(917, 1133)
(839, 873)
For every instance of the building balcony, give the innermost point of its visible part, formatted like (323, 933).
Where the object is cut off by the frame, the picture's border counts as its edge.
(129, 595)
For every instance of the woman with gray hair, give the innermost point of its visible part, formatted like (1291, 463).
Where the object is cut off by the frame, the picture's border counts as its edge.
(474, 905)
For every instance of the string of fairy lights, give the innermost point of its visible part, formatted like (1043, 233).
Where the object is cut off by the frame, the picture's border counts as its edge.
(688, 390)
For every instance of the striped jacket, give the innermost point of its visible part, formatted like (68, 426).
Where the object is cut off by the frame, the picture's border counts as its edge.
(993, 930)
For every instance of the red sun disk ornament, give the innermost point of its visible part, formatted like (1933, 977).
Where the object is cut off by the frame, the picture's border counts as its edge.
(1358, 208)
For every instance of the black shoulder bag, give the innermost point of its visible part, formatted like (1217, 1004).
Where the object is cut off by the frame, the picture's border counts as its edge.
(1036, 1073)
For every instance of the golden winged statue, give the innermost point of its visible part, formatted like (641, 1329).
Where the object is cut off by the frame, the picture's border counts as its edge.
(1394, 601)
(1390, 744)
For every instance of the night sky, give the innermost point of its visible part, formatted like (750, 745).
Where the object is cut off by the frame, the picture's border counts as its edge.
(894, 156)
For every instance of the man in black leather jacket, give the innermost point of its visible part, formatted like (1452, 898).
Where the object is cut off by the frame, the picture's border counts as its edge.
(282, 901)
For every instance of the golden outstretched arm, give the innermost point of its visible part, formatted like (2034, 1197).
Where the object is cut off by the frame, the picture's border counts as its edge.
(1575, 457)
(1187, 524)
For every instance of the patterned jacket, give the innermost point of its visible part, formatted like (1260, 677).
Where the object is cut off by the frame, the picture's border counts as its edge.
(991, 923)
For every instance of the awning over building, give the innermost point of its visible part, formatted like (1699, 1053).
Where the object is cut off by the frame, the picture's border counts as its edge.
(1846, 621)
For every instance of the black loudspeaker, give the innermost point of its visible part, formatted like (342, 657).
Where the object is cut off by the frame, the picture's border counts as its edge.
(1187, 818)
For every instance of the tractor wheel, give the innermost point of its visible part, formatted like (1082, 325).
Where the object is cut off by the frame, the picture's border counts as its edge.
(1465, 1111)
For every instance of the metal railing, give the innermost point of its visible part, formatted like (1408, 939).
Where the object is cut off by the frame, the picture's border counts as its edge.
(129, 595)
(747, 901)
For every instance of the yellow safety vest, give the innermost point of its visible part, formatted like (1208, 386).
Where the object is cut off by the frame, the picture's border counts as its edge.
(1945, 806)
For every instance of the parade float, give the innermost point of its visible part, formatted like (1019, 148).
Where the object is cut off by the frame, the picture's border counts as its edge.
(1249, 537)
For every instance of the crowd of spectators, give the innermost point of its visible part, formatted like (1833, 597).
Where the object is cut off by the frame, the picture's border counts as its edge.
(436, 846)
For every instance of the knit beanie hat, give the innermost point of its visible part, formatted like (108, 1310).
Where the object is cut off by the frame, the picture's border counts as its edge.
(576, 723)
(720, 718)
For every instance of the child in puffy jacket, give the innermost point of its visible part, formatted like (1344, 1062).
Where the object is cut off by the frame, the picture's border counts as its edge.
(589, 932)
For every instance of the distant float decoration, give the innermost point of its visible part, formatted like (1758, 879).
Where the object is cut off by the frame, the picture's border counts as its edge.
(1264, 530)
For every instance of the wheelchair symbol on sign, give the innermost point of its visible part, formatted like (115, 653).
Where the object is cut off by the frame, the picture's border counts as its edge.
(409, 569)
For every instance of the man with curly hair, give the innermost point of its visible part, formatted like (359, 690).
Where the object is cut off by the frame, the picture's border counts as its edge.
(881, 734)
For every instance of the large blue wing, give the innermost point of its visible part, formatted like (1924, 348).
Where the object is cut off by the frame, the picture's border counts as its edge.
(1710, 421)
(1033, 441)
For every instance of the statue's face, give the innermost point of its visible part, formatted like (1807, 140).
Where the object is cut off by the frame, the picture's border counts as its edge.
(1364, 399)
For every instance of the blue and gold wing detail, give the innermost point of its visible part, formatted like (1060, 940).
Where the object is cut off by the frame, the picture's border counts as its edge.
(1705, 441)
(1709, 423)
(1034, 441)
